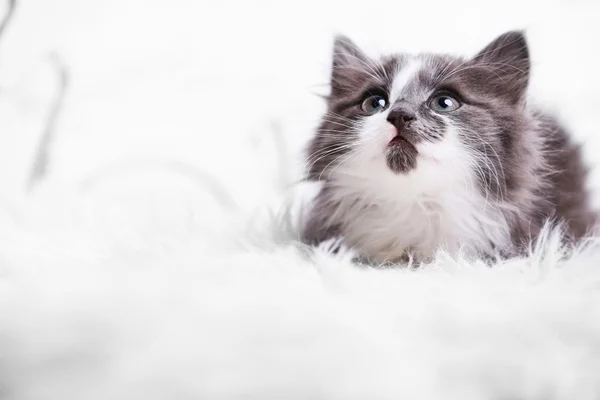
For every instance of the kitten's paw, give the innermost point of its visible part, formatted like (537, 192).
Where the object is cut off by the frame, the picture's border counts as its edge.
(330, 245)
(337, 246)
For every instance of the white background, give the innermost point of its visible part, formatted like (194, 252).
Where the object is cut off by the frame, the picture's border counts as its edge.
(166, 95)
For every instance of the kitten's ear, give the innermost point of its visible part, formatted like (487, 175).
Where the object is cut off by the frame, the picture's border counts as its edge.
(507, 58)
(349, 65)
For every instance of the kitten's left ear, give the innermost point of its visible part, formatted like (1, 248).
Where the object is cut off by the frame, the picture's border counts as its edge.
(349, 66)
(507, 58)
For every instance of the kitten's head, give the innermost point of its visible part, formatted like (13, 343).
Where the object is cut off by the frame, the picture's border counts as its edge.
(410, 115)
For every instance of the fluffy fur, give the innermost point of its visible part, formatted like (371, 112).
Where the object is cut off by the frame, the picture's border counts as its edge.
(118, 312)
(482, 179)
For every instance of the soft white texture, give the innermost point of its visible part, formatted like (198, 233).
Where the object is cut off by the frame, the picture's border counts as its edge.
(159, 279)
(208, 315)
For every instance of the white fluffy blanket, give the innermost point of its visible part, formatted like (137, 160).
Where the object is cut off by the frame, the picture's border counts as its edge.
(163, 313)
(154, 260)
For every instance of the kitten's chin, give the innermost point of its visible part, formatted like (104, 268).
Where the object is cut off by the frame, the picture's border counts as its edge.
(401, 155)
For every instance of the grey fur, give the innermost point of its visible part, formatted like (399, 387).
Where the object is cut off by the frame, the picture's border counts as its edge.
(543, 184)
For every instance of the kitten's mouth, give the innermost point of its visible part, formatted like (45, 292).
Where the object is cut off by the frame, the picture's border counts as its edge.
(401, 155)
(401, 141)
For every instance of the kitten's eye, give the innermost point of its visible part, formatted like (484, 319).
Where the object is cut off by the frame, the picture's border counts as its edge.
(444, 103)
(373, 104)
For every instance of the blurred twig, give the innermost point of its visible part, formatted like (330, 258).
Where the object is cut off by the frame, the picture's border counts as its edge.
(8, 16)
(40, 161)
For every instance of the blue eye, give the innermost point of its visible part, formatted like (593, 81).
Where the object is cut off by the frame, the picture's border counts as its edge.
(373, 104)
(444, 103)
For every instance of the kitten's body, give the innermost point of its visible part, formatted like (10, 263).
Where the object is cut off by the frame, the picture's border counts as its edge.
(483, 178)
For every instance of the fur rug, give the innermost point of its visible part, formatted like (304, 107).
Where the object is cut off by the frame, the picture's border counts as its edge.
(157, 258)
(165, 311)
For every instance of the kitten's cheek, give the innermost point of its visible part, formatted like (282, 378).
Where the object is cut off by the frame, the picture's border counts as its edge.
(428, 151)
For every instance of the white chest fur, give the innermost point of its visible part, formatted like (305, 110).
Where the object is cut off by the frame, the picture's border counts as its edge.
(439, 205)
(386, 226)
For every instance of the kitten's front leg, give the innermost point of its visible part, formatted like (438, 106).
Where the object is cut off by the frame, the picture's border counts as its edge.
(318, 230)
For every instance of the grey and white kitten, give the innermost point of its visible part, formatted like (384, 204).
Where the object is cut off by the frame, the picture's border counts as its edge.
(424, 152)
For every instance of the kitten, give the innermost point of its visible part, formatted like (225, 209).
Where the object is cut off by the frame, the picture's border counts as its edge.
(428, 151)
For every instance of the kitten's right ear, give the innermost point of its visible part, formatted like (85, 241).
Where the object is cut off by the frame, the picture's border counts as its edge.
(349, 64)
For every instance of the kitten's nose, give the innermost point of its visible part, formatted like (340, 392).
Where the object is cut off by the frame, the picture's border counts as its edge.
(400, 117)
